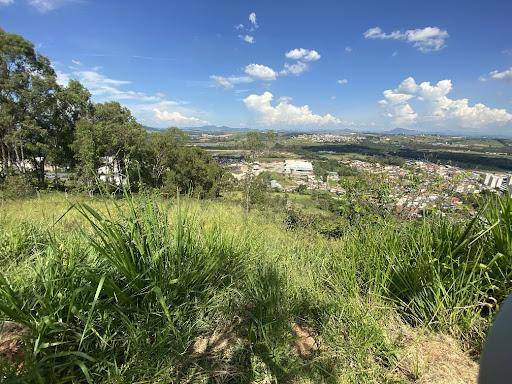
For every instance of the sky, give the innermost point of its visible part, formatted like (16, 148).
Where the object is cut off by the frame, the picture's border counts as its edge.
(443, 66)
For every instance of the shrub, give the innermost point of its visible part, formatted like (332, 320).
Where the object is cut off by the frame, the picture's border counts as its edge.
(15, 187)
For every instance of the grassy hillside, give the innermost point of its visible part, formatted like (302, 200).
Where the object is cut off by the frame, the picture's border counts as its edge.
(145, 290)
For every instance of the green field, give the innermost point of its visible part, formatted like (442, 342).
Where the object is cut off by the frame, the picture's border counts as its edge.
(151, 291)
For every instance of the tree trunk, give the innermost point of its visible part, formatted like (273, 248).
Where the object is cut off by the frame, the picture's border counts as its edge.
(4, 158)
(19, 165)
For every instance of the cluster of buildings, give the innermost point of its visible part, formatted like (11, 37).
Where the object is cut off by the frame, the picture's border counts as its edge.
(498, 182)
(328, 138)
(417, 186)
(411, 188)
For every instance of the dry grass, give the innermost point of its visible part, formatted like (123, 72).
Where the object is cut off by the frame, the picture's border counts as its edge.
(425, 357)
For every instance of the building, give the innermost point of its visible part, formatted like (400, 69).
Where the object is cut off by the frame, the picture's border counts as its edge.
(298, 167)
(110, 172)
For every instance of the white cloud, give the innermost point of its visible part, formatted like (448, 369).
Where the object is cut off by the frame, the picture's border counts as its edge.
(505, 75)
(247, 38)
(438, 107)
(239, 27)
(424, 39)
(261, 72)
(252, 19)
(342, 81)
(48, 5)
(143, 106)
(178, 118)
(294, 69)
(230, 82)
(104, 88)
(76, 62)
(284, 112)
(507, 51)
(303, 54)
(6, 2)
(348, 49)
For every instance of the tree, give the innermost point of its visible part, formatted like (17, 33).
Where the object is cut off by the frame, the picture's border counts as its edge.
(37, 116)
(27, 103)
(110, 137)
(73, 104)
(176, 167)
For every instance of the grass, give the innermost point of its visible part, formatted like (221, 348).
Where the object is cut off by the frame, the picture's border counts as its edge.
(121, 291)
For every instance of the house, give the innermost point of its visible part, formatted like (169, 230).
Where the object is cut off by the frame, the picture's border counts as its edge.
(111, 171)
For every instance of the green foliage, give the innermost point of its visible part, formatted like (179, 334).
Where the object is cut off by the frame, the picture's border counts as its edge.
(323, 167)
(109, 132)
(37, 116)
(16, 187)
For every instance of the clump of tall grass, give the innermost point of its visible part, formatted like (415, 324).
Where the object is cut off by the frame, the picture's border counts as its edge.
(20, 240)
(129, 302)
(452, 276)
(144, 284)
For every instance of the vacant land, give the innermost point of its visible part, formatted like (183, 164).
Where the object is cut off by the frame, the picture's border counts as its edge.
(147, 290)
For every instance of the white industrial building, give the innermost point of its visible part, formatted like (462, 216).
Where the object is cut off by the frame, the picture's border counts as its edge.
(298, 167)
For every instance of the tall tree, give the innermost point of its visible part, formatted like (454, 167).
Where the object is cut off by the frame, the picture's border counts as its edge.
(27, 103)
(73, 104)
(110, 136)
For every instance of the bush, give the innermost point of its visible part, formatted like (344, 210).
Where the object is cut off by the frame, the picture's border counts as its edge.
(15, 187)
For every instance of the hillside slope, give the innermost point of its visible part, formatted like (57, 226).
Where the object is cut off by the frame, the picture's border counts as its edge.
(156, 291)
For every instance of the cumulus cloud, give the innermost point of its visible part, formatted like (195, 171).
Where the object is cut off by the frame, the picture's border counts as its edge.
(505, 75)
(252, 27)
(247, 38)
(342, 81)
(424, 39)
(177, 118)
(261, 72)
(303, 54)
(439, 108)
(284, 112)
(231, 81)
(252, 20)
(294, 69)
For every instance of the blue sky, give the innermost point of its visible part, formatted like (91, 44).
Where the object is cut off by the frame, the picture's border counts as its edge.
(324, 64)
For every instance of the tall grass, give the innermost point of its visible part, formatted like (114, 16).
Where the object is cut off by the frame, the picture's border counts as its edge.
(122, 292)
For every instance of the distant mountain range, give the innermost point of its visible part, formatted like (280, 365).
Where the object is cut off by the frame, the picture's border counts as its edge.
(402, 131)
(395, 131)
(204, 128)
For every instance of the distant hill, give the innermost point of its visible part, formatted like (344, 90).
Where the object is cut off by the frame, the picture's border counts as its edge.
(402, 131)
(215, 129)
(204, 128)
